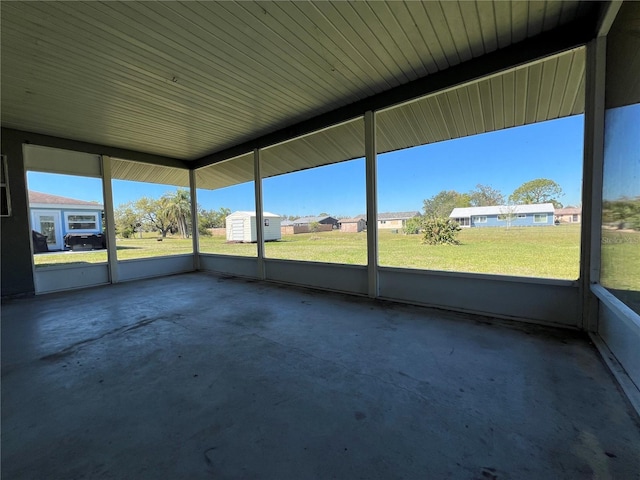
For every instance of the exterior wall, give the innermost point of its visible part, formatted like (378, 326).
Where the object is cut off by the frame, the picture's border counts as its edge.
(249, 233)
(492, 221)
(15, 233)
(568, 218)
(272, 231)
(352, 227)
(63, 219)
(397, 223)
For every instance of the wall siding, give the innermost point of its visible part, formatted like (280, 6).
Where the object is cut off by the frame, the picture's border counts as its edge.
(62, 212)
(492, 221)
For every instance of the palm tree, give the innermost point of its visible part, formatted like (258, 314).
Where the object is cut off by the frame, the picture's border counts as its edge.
(177, 207)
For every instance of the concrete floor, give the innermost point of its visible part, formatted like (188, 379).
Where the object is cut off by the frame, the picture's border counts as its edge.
(198, 376)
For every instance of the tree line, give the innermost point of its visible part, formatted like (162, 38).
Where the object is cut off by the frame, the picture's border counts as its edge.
(171, 213)
(622, 213)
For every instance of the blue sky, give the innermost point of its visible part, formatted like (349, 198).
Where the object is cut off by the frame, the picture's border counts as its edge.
(504, 160)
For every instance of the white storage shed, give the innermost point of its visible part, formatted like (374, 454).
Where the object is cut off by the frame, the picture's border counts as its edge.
(241, 227)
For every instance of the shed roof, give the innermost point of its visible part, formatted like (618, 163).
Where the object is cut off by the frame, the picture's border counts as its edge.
(303, 220)
(39, 198)
(463, 212)
(398, 215)
(568, 211)
(249, 214)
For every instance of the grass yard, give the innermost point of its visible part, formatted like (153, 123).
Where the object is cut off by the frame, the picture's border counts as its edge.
(128, 248)
(620, 271)
(549, 252)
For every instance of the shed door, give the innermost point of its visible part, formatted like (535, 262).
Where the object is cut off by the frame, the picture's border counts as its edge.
(48, 223)
(237, 229)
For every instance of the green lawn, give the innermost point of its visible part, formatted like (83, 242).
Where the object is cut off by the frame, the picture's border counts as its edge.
(620, 260)
(550, 252)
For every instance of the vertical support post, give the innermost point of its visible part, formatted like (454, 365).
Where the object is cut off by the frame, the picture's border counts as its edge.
(259, 210)
(195, 235)
(110, 221)
(591, 234)
(370, 153)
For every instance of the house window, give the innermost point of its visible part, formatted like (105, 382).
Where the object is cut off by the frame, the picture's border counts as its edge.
(266, 222)
(502, 218)
(574, 218)
(383, 221)
(5, 210)
(522, 215)
(540, 218)
(482, 219)
(82, 221)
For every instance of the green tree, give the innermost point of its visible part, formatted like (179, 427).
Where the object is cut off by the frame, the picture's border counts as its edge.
(212, 219)
(440, 205)
(540, 190)
(177, 210)
(623, 212)
(440, 231)
(154, 214)
(485, 196)
(127, 220)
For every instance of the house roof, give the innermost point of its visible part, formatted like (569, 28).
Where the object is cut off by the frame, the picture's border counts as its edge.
(398, 215)
(501, 210)
(568, 211)
(40, 199)
(247, 213)
(303, 220)
(352, 220)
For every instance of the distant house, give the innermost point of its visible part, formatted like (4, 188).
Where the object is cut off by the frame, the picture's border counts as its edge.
(241, 227)
(286, 227)
(352, 225)
(395, 219)
(56, 216)
(536, 215)
(325, 224)
(568, 215)
(321, 220)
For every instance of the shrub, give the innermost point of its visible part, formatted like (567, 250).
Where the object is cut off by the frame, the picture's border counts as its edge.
(412, 226)
(203, 230)
(440, 231)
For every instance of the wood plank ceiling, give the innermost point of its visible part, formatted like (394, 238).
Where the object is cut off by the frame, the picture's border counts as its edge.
(184, 79)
